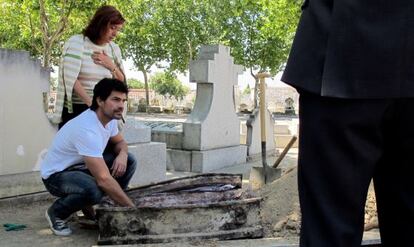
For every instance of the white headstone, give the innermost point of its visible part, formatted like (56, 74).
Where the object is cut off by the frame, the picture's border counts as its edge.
(213, 123)
(25, 131)
(253, 138)
(150, 156)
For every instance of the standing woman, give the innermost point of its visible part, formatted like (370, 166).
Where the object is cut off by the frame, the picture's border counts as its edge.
(86, 59)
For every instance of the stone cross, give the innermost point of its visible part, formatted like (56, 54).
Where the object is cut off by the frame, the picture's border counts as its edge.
(213, 123)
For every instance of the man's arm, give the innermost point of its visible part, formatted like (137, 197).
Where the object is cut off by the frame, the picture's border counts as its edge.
(106, 182)
(121, 149)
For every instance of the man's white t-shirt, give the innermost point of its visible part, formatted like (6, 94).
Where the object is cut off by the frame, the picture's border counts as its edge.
(82, 136)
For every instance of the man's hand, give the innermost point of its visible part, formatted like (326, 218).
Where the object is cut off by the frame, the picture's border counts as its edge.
(119, 165)
(106, 182)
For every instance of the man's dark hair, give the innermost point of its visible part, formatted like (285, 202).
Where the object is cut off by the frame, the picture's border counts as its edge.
(104, 16)
(104, 88)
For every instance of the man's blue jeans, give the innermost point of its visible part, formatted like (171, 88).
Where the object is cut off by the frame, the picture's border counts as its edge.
(77, 189)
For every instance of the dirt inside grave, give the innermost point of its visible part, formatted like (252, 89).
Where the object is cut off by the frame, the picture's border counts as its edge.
(280, 208)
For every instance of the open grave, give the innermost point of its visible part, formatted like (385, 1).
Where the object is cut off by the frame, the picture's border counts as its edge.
(199, 207)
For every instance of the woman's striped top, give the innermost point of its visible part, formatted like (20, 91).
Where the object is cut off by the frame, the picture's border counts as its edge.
(77, 63)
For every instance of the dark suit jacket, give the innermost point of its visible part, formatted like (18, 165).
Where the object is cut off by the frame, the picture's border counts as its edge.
(354, 49)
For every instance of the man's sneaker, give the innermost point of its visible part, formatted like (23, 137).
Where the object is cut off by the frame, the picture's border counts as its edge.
(58, 226)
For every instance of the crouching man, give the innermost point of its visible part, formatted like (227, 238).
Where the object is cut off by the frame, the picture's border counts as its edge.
(77, 170)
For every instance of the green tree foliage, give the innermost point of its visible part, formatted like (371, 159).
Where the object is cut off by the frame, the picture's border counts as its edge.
(143, 41)
(260, 33)
(41, 26)
(135, 84)
(159, 32)
(166, 32)
(185, 25)
(167, 85)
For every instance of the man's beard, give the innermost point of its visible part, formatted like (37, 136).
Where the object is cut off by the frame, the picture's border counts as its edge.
(117, 114)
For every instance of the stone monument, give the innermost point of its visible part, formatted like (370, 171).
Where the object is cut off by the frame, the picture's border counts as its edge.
(213, 122)
(289, 106)
(253, 136)
(25, 131)
(151, 156)
(210, 137)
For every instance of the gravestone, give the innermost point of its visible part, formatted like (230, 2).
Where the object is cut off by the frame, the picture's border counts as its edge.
(253, 137)
(170, 133)
(142, 105)
(211, 133)
(213, 122)
(284, 131)
(151, 156)
(289, 106)
(25, 131)
(188, 108)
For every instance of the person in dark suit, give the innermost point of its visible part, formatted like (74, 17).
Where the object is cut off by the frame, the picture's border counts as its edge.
(352, 61)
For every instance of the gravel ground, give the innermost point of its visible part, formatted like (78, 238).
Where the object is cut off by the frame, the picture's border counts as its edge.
(37, 232)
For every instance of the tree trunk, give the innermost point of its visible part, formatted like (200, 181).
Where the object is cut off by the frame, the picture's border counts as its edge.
(256, 87)
(44, 28)
(51, 37)
(46, 55)
(144, 72)
(190, 52)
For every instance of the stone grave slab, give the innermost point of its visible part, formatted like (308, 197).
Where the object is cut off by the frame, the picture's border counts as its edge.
(213, 159)
(135, 131)
(170, 133)
(151, 156)
(151, 162)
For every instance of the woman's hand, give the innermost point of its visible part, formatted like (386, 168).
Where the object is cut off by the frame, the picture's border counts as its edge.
(101, 58)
